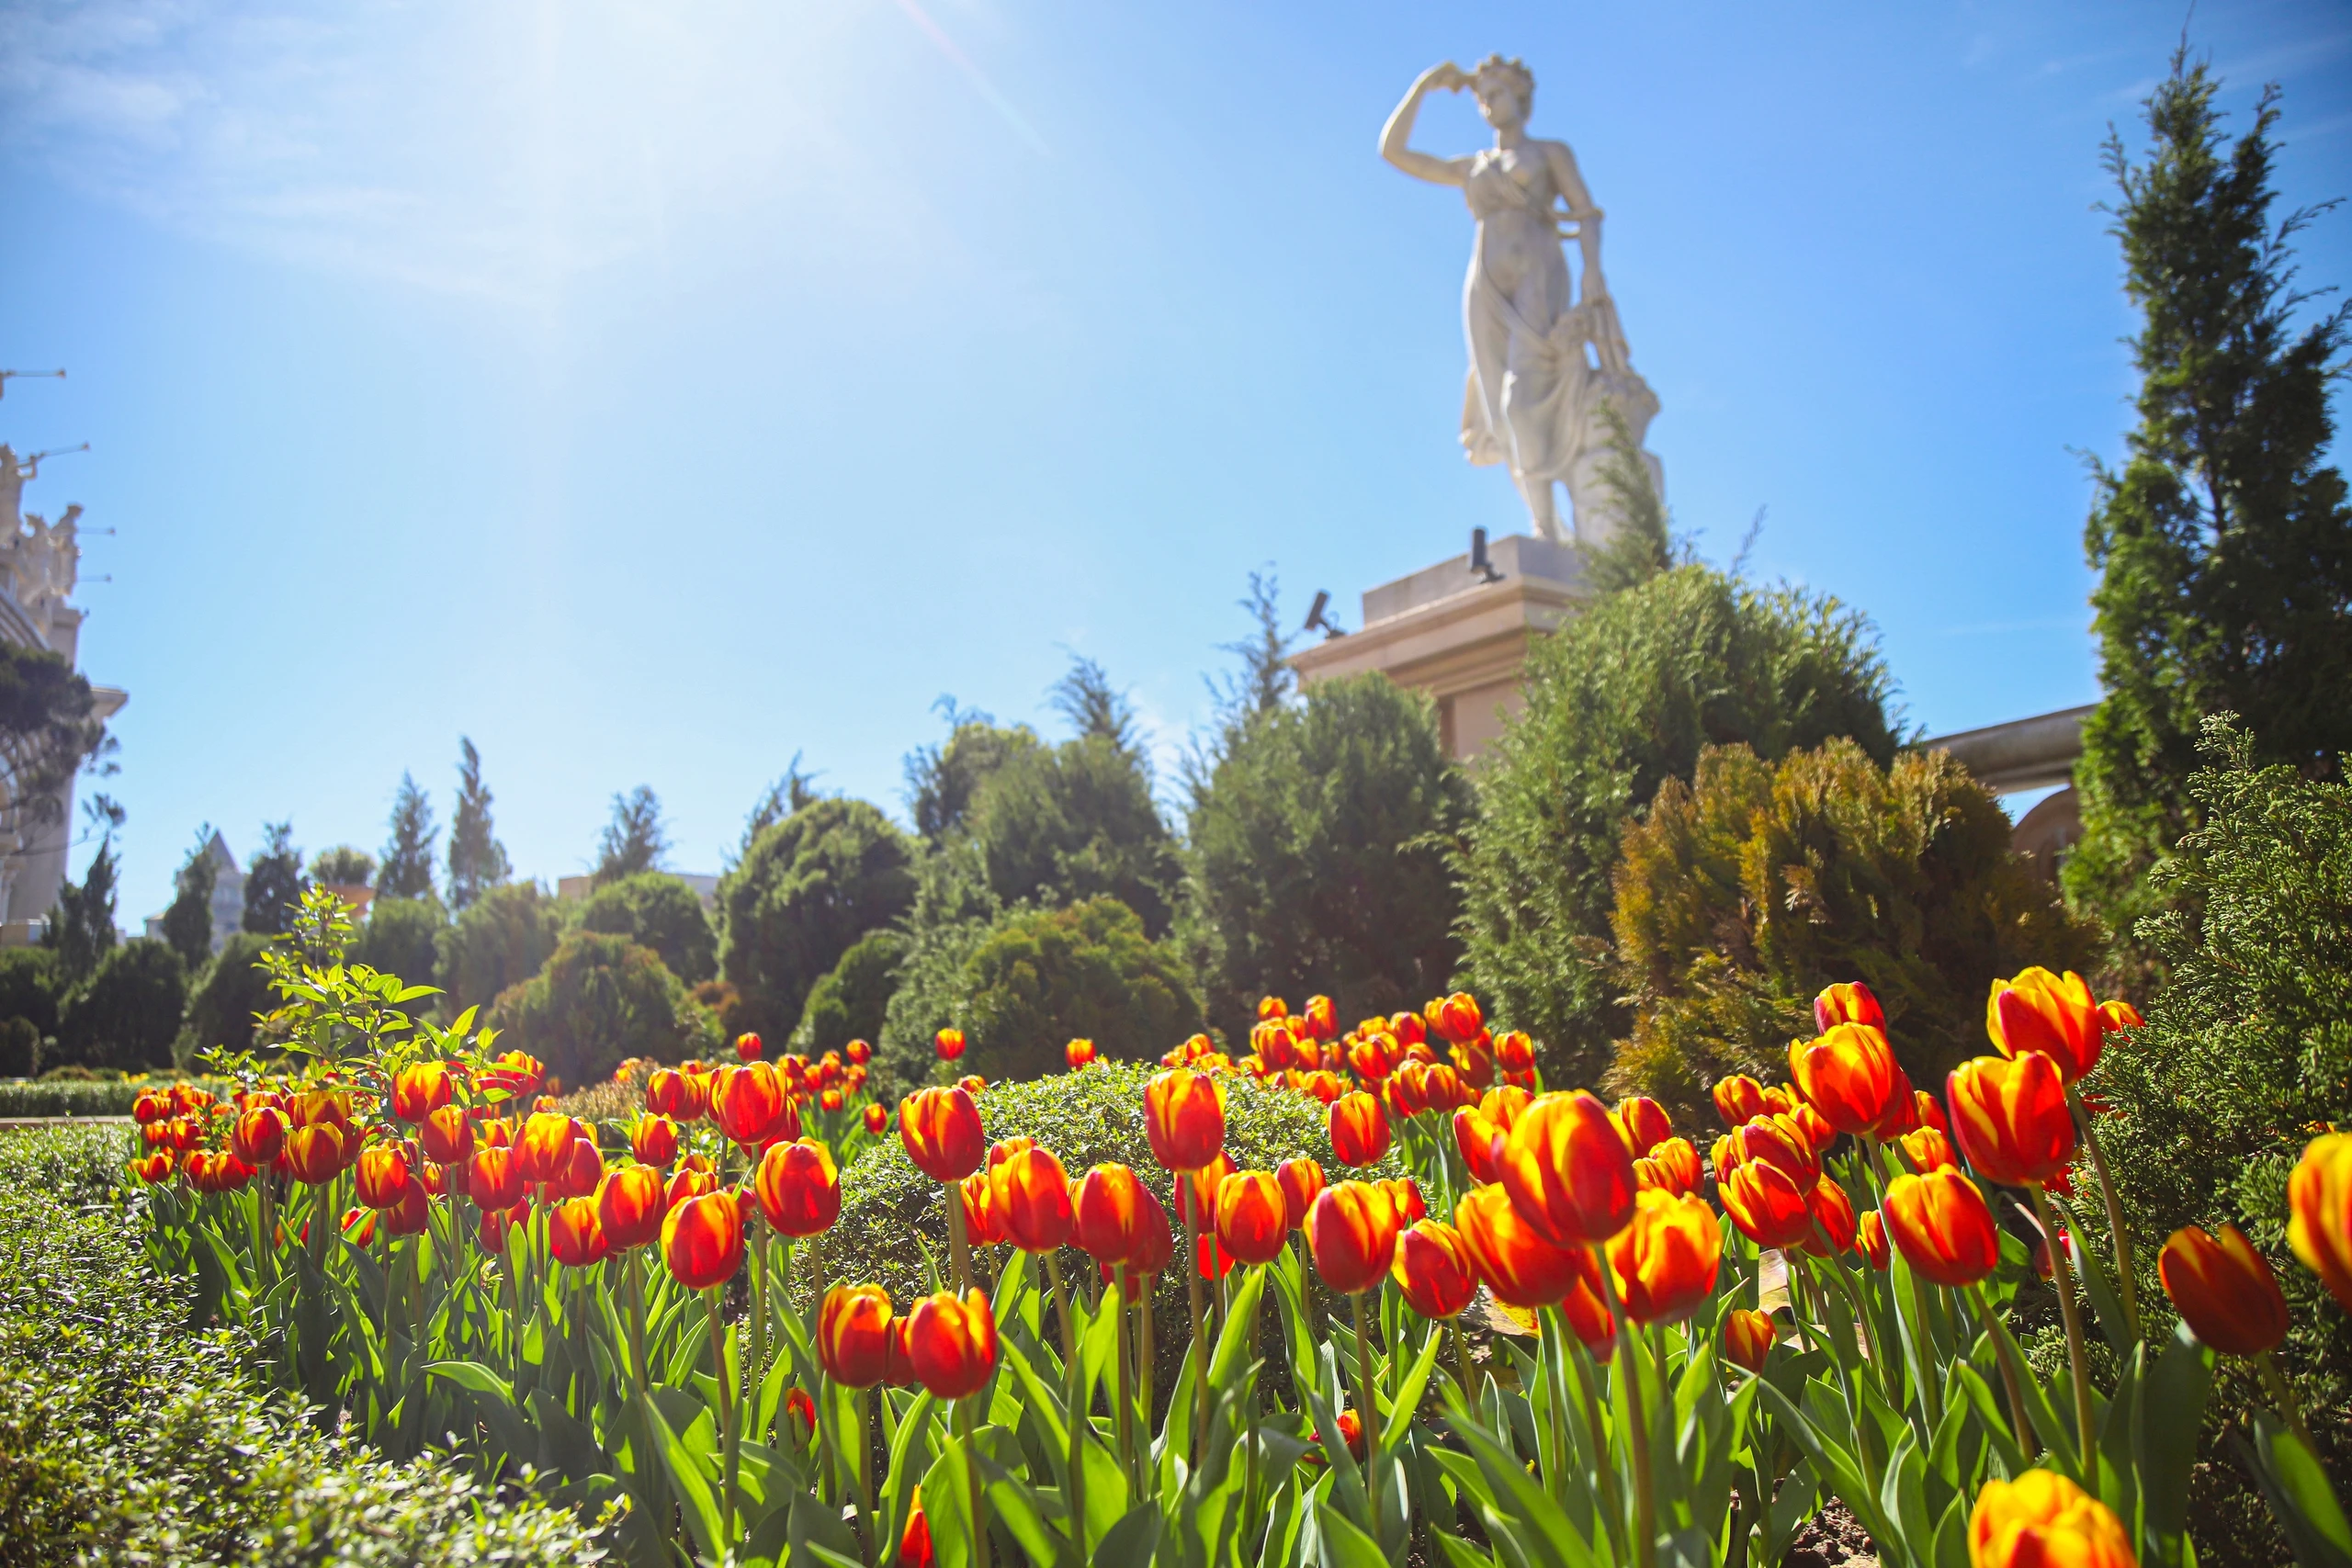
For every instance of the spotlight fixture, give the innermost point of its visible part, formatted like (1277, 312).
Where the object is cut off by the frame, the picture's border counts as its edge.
(1316, 621)
(1480, 567)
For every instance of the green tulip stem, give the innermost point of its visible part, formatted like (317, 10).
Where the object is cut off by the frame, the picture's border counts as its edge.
(2062, 1274)
(1197, 1351)
(1638, 1439)
(1369, 1416)
(968, 1419)
(1076, 1407)
(2126, 1271)
(726, 1416)
(864, 1473)
(2267, 1363)
(2029, 1442)
(959, 1248)
(1115, 1302)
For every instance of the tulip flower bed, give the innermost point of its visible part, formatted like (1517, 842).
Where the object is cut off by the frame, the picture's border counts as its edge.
(654, 1315)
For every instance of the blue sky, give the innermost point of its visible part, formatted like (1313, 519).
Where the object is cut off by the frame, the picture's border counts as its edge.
(652, 391)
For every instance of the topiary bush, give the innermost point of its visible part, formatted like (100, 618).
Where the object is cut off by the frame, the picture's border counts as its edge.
(1317, 858)
(806, 889)
(1745, 893)
(125, 1437)
(127, 1014)
(851, 1001)
(1619, 700)
(1024, 986)
(2247, 1052)
(658, 910)
(402, 936)
(600, 1001)
(892, 1213)
(500, 939)
(225, 998)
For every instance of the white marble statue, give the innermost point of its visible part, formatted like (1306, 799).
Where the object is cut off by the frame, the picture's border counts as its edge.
(1541, 364)
(48, 558)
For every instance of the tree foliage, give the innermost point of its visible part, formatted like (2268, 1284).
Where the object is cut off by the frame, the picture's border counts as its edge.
(2247, 1050)
(226, 997)
(408, 851)
(477, 860)
(402, 937)
(1027, 983)
(601, 999)
(273, 881)
(127, 1014)
(81, 927)
(1619, 700)
(187, 920)
(343, 866)
(850, 1002)
(1054, 825)
(49, 729)
(1740, 896)
(1317, 859)
(2224, 544)
(658, 910)
(496, 943)
(806, 889)
(634, 840)
(29, 992)
(944, 780)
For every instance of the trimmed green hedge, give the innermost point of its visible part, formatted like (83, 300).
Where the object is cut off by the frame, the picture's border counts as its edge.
(125, 1436)
(82, 1097)
(890, 1210)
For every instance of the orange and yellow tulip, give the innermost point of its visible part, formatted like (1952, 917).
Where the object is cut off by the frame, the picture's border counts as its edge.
(1643, 1124)
(1301, 1180)
(1567, 1170)
(1765, 1205)
(798, 1189)
(259, 1135)
(1194, 1191)
(1942, 1225)
(1518, 1263)
(2040, 1011)
(952, 1344)
(1359, 1130)
(314, 1153)
(876, 1117)
(1481, 1144)
(630, 1206)
(2225, 1289)
(2010, 1118)
(702, 1240)
(1251, 1223)
(2043, 1520)
(420, 1090)
(1847, 1002)
(941, 1130)
(1108, 1209)
(1031, 1197)
(1738, 1099)
(853, 1335)
(381, 1177)
(1926, 1148)
(1664, 1261)
(1749, 1338)
(575, 1237)
(653, 1140)
(1433, 1269)
(447, 1135)
(1670, 1166)
(1849, 1076)
(948, 1044)
(1870, 1240)
(753, 1107)
(2319, 1213)
(1183, 1118)
(1352, 1231)
(1079, 1054)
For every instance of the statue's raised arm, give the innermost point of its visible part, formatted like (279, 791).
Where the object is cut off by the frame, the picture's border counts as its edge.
(1397, 134)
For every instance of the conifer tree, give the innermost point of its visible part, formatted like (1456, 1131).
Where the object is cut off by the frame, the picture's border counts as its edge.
(188, 923)
(2224, 542)
(634, 840)
(477, 860)
(408, 855)
(274, 881)
(81, 925)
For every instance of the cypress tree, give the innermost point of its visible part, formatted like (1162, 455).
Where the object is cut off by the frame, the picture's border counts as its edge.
(2223, 543)
(477, 860)
(407, 854)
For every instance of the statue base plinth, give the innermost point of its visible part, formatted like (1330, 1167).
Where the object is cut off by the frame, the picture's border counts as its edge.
(1444, 631)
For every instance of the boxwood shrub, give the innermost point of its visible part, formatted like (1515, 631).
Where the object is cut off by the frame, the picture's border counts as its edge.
(81, 1097)
(892, 1213)
(127, 1435)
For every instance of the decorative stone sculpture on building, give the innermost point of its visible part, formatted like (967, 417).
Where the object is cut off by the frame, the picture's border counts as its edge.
(1542, 365)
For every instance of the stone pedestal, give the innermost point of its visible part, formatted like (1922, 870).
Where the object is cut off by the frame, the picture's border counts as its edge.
(1445, 631)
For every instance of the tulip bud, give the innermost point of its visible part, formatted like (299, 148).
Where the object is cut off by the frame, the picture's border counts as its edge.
(1943, 1227)
(1433, 1269)
(381, 1178)
(1352, 1231)
(1183, 1118)
(1301, 1180)
(1079, 1054)
(1321, 1019)
(1870, 1240)
(630, 1206)
(1031, 1195)
(1516, 1263)
(1194, 1191)
(1766, 1206)
(2039, 1011)
(798, 1189)
(2225, 1289)
(702, 1241)
(876, 1117)
(983, 1226)
(1849, 1003)
(1642, 1121)
(953, 1344)
(752, 1107)
(1359, 1130)
(314, 1153)
(941, 1130)
(2010, 1118)
(1738, 1100)
(2319, 1214)
(748, 1047)
(1567, 1171)
(948, 1043)
(1250, 1216)
(1747, 1338)
(1849, 1075)
(1107, 1213)
(853, 1335)
(1664, 1261)
(259, 1135)
(575, 1237)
